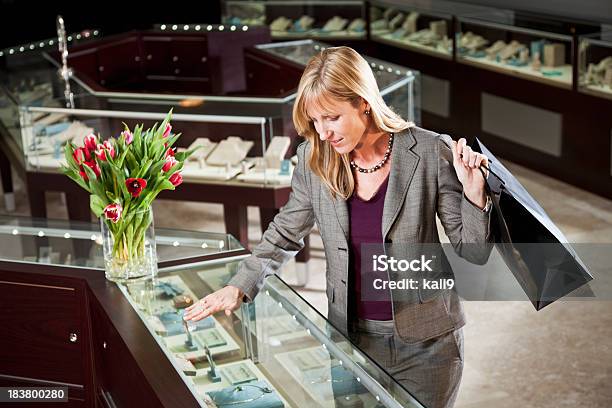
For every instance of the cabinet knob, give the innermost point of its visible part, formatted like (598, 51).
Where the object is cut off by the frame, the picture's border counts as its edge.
(101, 68)
(175, 58)
(104, 345)
(177, 71)
(149, 57)
(204, 59)
(137, 58)
(73, 337)
(250, 75)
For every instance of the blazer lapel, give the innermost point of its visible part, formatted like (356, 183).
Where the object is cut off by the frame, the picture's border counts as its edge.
(341, 208)
(403, 165)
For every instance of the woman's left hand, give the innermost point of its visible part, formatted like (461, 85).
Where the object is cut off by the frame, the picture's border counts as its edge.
(467, 165)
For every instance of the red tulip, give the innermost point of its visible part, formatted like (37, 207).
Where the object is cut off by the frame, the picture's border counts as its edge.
(170, 161)
(135, 186)
(101, 153)
(176, 179)
(127, 136)
(94, 166)
(90, 141)
(83, 174)
(167, 130)
(113, 212)
(79, 155)
(169, 152)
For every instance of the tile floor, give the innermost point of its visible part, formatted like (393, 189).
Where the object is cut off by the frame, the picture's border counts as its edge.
(560, 356)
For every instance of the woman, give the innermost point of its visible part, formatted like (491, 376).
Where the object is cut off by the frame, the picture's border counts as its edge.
(365, 175)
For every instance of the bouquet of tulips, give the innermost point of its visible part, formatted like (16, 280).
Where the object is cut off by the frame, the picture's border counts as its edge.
(123, 176)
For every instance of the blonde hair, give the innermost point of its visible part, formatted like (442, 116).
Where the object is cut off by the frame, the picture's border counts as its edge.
(339, 73)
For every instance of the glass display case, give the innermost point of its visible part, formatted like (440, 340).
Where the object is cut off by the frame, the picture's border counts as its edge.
(274, 352)
(290, 19)
(424, 30)
(595, 64)
(79, 244)
(518, 45)
(231, 147)
(27, 78)
(399, 86)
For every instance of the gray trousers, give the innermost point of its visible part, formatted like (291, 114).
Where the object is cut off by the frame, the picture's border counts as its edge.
(430, 371)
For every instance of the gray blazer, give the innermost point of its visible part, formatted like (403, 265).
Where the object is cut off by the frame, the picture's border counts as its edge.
(422, 183)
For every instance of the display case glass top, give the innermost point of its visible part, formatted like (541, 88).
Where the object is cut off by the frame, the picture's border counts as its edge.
(518, 44)
(79, 244)
(342, 19)
(595, 64)
(398, 85)
(276, 351)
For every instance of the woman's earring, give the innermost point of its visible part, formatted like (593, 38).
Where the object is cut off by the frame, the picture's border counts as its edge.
(367, 112)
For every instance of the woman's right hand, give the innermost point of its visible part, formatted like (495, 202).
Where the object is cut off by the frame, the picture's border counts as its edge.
(228, 298)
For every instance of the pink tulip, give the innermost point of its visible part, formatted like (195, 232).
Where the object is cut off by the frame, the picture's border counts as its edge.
(170, 161)
(176, 179)
(109, 146)
(113, 212)
(127, 136)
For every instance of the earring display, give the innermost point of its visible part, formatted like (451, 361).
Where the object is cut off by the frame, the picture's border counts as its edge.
(218, 161)
(268, 169)
(171, 323)
(280, 24)
(416, 31)
(239, 374)
(334, 24)
(323, 376)
(204, 148)
(513, 50)
(231, 150)
(595, 64)
(235, 374)
(244, 12)
(217, 339)
(303, 24)
(212, 368)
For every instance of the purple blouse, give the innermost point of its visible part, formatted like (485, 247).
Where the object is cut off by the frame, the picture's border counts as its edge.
(366, 228)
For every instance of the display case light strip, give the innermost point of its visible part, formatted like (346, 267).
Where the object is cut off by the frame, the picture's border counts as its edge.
(177, 117)
(96, 236)
(198, 27)
(362, 376)
(207, 262)
(42, 43)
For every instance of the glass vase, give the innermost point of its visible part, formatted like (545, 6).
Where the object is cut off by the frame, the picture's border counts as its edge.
(129, 247)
